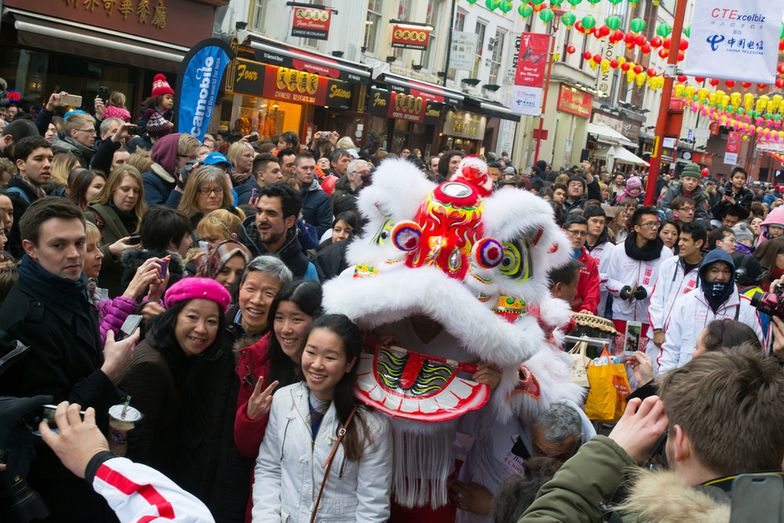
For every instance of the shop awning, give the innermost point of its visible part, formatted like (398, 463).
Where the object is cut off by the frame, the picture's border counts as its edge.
(624, 155)
(44, 32)
(277, 53)
(609, 134)
(490, 108)
(426, 90)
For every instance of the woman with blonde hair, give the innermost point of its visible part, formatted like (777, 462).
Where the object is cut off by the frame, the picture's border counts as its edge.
(219, 225)
(117, 212)
(62, 165)
(241, 155)
(207, 190)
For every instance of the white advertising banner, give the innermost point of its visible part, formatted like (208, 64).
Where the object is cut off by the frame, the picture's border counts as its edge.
(463, 50)
(526, 100)
(735, 40)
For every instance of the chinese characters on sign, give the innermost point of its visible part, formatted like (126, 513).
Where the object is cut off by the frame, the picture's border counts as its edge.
(575, 101)
(735, 40)
(144, 10)
(529, 73)
(733, 148)
(461, 56)
(410, 36)
(311, 23)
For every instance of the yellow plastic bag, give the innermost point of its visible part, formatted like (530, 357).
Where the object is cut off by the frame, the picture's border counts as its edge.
(607, 396)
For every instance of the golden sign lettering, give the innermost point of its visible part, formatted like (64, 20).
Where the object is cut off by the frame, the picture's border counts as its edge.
(313, 83)
(378, 100)
(125, 8)
(90, 4)
(336, 91)
(159, 16)
(243, 73)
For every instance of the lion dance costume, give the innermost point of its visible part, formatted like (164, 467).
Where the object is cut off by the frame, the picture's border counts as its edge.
(475, 262)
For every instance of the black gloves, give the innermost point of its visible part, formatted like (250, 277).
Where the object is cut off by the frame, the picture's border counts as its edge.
(640, 293)
(625, 293)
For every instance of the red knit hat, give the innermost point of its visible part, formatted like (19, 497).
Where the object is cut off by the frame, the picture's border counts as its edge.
(160, 86)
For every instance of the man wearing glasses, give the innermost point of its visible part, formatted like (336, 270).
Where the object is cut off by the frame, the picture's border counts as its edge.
(587, 296)
(78, 137)
(632, 269)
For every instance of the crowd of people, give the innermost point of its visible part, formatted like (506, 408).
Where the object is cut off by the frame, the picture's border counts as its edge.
(221, 245)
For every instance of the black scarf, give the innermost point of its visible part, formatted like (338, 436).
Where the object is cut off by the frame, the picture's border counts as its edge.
(128, 218)
(54, 288)
(650, 251)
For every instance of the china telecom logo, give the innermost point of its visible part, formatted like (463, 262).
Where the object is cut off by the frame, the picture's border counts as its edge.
(714, 41)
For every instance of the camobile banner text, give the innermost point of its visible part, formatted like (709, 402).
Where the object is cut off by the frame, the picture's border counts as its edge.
(200, 77)
(735, 40)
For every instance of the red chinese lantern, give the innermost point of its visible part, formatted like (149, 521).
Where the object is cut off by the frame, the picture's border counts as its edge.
(625, 66)
(617, 36)
(570, 49)
(682, 78)
(597, 58)
(637, 69)
(780, 83)
(629, 38)
(705, 172)
(587, 55)
(699, 79)
(745, 85)
(663, 53)
(603, 31)
(614, 63)
(645, 48)
(640, 40)
(681, 56)
(730, 83)
(579, 26)
(780, 68)
(781, 44)
(656, 42)
(651, 72)
(666, 43)
(714, 82)
(683, 45)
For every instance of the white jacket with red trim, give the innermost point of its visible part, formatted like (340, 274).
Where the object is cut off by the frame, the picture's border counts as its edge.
(671, 283)
(624, 271)
(140, 494)
(690, 315)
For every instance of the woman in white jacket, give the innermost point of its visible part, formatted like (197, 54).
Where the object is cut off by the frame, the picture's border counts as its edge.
(303, 427)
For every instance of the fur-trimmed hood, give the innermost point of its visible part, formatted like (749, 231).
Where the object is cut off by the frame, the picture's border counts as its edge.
(663, 497)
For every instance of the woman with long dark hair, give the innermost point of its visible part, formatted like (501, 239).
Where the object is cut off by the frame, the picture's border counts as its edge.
(85, 186)
(318, 421)
(273, 361)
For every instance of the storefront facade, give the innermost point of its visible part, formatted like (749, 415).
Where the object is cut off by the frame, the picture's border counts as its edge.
(410, 113)
(80, 46)
(272, 87)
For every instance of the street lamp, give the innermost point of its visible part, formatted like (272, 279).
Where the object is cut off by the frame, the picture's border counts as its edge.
(555, 25)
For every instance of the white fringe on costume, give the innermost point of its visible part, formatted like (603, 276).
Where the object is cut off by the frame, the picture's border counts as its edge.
(424, 458)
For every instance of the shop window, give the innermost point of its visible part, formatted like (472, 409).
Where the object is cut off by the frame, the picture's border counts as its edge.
(498, 54)
(372, 25)
(259, 12)
(429, 56)
(481, 30)
(265, 116)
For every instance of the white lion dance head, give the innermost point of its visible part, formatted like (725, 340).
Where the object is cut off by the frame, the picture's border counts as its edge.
(474, 262)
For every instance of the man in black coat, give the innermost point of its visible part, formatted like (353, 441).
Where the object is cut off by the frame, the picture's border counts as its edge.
(274, 231)
(48, 310)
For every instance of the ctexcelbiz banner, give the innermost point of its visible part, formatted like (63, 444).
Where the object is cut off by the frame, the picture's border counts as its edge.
(735, 40)
(199, 83)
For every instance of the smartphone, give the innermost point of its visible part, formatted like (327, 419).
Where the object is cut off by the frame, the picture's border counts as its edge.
(164, 266)
(631, 339)
(130, 324)
(71, 100)
(254, 194)
(132, 128)
(134, 239)
(103, 93)
(47, 414)
(253, 137)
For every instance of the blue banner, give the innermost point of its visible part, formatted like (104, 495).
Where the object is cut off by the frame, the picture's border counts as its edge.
(200, 78)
